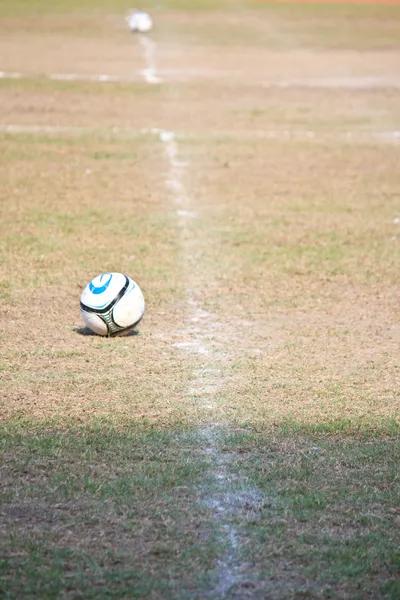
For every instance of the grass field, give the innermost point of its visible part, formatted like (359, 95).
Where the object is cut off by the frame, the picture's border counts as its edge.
(242, 164)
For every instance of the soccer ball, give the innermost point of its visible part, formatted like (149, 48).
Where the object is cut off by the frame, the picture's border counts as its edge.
(112, 304)
(140, 22)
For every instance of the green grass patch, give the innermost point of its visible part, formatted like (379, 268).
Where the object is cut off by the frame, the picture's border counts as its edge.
(103, 513)
(356, 428)
(329, 518)
(99, 512)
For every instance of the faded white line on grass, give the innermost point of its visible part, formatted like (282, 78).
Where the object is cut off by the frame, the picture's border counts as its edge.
(152, 75)
(49, 129)
(10, 75)
(351, 83)
(192, 347)
(226, 497)
(101, 78)
(150, 72)
(380, 137)
(187, 213)
(79, 77)
(246, 79)
(233, 497)
(351, 136)
(83, 77)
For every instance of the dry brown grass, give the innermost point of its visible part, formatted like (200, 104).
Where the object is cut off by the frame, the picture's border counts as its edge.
(73, 208)
(307, 255)
(269, 264)
(293, 249)
(247, 113)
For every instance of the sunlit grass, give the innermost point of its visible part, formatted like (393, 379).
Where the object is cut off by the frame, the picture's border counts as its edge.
(265, 466)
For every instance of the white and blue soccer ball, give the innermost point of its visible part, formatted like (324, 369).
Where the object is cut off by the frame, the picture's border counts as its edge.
(112, 304)
(140, 22)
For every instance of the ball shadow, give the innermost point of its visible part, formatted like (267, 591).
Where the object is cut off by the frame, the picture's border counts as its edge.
(85, 331)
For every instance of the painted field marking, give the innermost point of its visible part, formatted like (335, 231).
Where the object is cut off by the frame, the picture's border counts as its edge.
(82, 77)
(174, 182)
(101, 78)
(153, 76)
(10, 75)
(335, 83)
(231, 494)
(45, 129)
(150, 72)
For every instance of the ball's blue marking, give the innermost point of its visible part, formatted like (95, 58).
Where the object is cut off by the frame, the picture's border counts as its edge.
(99, 290)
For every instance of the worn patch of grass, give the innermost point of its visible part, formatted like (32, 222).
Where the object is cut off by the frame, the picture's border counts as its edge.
(71, 210)
(303, 255)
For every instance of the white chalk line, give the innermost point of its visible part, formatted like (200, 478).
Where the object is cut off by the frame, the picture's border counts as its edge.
(227, 498)
(233, 496)
(82, 77)
(351, 83)
(10, 75)
(44, 129)
(174, 183)
(152, 75)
